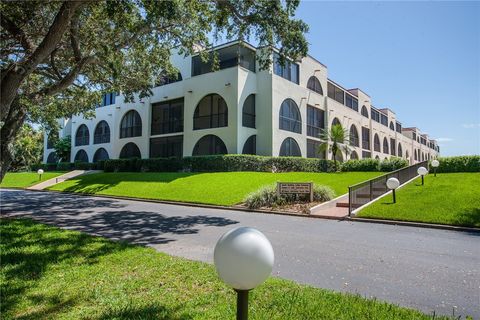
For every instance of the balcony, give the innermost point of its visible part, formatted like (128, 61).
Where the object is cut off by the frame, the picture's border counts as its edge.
(101, 138)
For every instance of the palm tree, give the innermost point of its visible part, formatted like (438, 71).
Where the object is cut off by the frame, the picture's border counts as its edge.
(339, 139)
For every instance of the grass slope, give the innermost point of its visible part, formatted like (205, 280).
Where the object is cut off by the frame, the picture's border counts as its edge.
(26, 179)
(448, 198)
(49, 273)
(221, 188)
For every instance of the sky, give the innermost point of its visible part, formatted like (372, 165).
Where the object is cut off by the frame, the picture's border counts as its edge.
(420, 59)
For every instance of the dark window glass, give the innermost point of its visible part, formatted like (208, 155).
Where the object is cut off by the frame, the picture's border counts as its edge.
(248, 112)
(81, 156)
(400, 151)
(211, 112)
(167, 117)
(250, 146)
(131, 125)
(313, 149)
(375, 115)
(227, 57)
(339, 95)
(392, 127)
(164, 79)
(166, 147)
(315, 121)
(354, 155)
(365, 138)
(102, 133)
(355, 104)
(398, 127)
(247, 58)
(52, 158)
(351, 102)
(290, 119)
(393, 147)
(208, 145)
(130, 150)
(290, 148)
(414, 136)
(82, 136)
(330, 90)
(385, 146)
(108, 99)
(376, 143)
(289, 71)
(366, 154)
(364, 111)
(314, 85)
(335, 122)
(384, 120)
(100, 155)
(354, 136)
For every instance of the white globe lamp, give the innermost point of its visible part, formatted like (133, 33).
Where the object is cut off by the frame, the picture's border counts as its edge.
(422, 171)
(392, 184)
(40, 172)
(244, 259)
(435, 163)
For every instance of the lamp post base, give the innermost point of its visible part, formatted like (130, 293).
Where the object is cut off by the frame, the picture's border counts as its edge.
(242, 304)
(394, 198)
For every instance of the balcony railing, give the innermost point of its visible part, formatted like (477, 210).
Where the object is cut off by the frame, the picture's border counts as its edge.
(133, 131)
(101, 138)
(82, 141)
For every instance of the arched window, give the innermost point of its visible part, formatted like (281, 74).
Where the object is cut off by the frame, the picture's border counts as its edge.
(354, 155)
(364, 111)
(211, 112)
(82, 136)
(250, 146)
(131, 125)
(415, 156)
(52, 157)
(248, 112)
(165, 78)
(130, 150)
(377, 157)
(385, 145)
(335, 122)
(376, 143)
(100, 155)
(208, 145)
(102, 133)
(400, 151)
(290, 119)
(392, 126)
(314, 85)
(81, 156)
(51, 139)
(290, 148)
(354, 141)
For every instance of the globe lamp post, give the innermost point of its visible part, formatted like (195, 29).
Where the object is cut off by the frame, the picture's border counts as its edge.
(40, 172)
(393, 184)
(244, 259)
(422, 171)
(435, 165)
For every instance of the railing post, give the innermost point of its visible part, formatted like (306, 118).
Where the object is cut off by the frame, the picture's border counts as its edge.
(371, 190)
(349, 201)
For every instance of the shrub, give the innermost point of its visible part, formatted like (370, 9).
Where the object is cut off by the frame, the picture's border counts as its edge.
(392, 164)
(360, 165)
(63, 166)
(159, 165)
(459, 164)
(121, 165)
(80, 165)
(267, 196)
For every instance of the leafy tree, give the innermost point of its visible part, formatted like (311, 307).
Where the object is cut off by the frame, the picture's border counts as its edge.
(335, 140)
(58, 58)
(63, 147)
(27, 149)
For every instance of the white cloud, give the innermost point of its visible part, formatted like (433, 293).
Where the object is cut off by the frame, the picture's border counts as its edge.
(470, 125)
(444, 139)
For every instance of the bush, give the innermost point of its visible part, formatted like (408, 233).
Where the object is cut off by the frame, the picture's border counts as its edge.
(63, 166)
(159, 165)
(121, 165)
(459, 164)
(267, 196)
(360, 165)
(392, 164)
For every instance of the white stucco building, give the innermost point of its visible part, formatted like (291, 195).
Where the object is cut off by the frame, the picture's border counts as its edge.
(241, 109)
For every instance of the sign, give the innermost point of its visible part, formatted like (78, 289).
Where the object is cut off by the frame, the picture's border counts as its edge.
(295, 188)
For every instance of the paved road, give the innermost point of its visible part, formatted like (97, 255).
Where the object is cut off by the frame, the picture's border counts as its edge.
(420, 268)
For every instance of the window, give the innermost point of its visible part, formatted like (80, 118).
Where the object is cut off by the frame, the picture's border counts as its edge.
(336, 122)
(209, 144)
(392, 127)
(315, 121)
(400, 151)
(164, 78)
(354, 155)
(100, 155)
(82, 136)
(166, 147)
(314, 85)
(414, 136)
(289, 71)
(384, 120)
(364, 112)
(130, 150)
(81, 156)
(385, 145)
(335, 93)
(228, 57)
(375, 115)
(290, 119)
(365, 138)
(248, 112)
(211, 112)
(52, 157)
(108, 99)
(366, 154)
(313, 149)
(290, 148)
(354, 136)
(398, 127)
(131, 125)
(167, 117)
(102, 133)
(351, 102)
(393, 147)
(376, 143)
(250, 146)
(415, 154)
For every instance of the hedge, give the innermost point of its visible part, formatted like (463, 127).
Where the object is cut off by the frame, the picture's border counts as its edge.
(66, 166)
(458, 164)
(386, 165)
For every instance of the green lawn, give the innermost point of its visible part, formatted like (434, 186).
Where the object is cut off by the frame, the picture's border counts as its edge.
(49, 273)
(448, 198)
(26, 179)
(221, 188)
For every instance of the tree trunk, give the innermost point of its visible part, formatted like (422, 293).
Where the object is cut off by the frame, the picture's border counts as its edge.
(13, 122)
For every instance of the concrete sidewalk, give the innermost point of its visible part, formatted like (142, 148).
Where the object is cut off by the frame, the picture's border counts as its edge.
(69, 175)
(333, 209)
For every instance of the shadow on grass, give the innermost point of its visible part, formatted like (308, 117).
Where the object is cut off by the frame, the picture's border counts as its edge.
(149, 312)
